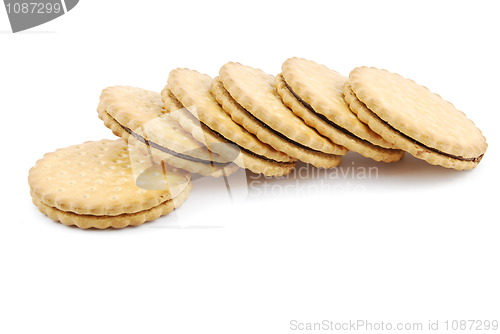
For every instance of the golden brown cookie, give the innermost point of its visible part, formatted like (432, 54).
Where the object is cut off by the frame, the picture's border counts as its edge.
(415, 119)
(138, 116)
(94, 184)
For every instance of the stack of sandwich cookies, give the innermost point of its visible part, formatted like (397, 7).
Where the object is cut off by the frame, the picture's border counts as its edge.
(138, 116)
(415, 119)
(253, 102)
(201, 115)
(92, 185)
(242, 157)
(314, 93)
(242, 118)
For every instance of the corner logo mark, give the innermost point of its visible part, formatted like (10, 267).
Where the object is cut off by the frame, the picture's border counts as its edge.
(26, 14)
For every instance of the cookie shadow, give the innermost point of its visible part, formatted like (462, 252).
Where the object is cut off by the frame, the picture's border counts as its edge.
(408, 170)
(358, 172)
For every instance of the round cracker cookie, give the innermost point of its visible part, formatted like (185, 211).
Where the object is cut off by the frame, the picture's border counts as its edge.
(101, 181)
(413, 112)
(136, 113)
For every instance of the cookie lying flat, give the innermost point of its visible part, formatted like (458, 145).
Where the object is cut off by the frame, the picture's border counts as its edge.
(92, 185)
(252, 101)
(199, 113)
(138, 116)
(415, 119)
(314, 93)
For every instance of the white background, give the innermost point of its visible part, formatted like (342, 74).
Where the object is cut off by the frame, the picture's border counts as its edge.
(417, 243)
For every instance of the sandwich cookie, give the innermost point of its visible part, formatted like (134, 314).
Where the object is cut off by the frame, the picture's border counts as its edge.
(138, 116)
(415, 119)
(249, 96)
(314, 93)
(199, 113)
(92, 185)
